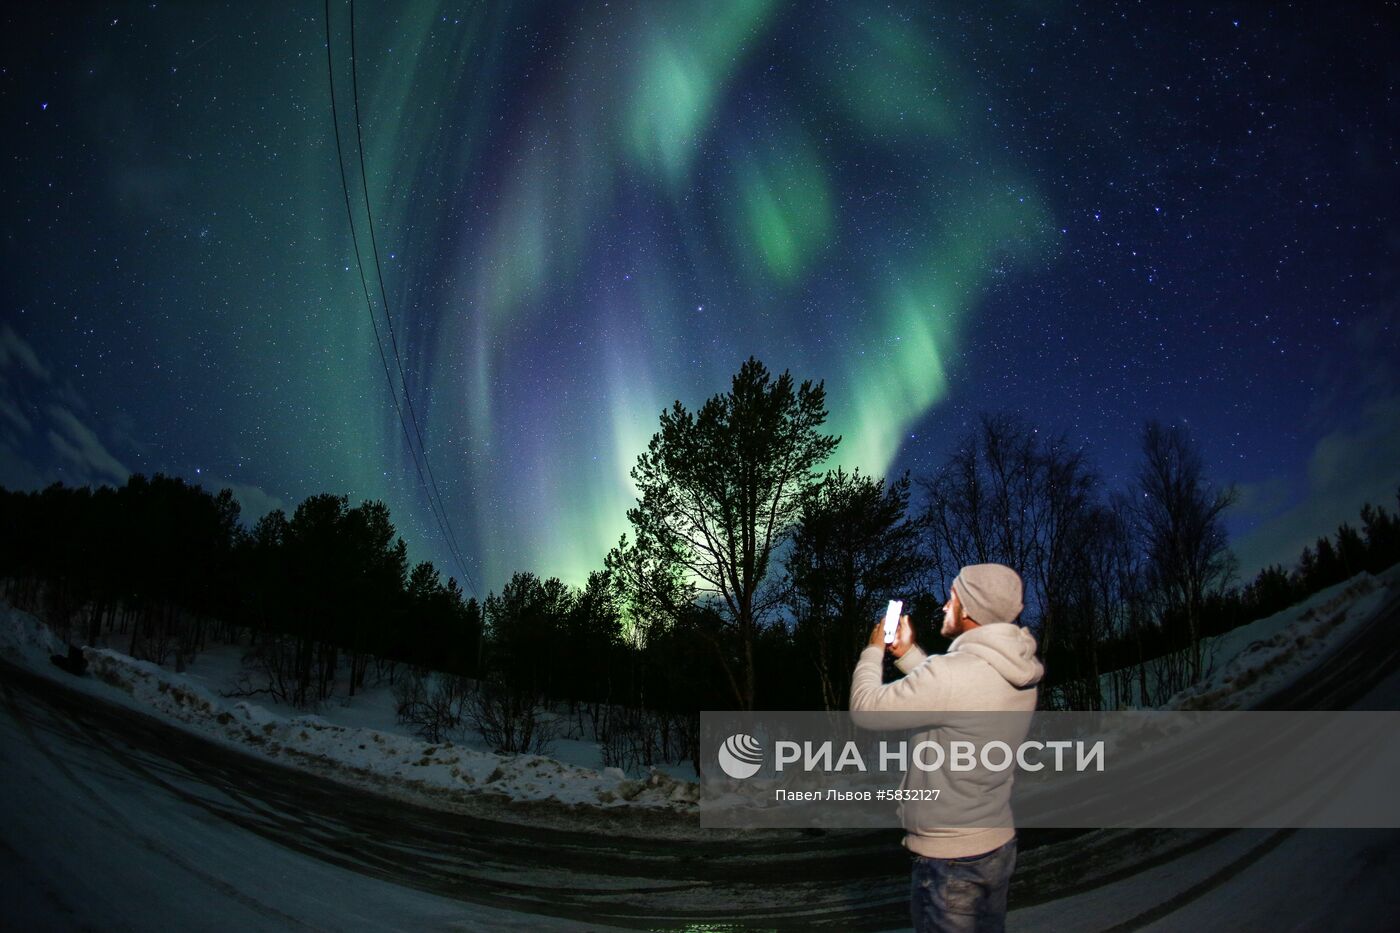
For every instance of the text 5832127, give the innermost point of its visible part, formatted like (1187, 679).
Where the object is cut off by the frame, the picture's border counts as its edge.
(926, 793)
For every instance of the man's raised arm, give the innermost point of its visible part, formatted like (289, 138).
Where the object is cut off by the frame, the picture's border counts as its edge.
(920, 690)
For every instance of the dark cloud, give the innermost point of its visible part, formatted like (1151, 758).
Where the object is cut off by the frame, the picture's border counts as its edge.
(1348, 468)
(17, 354)
(78, 445)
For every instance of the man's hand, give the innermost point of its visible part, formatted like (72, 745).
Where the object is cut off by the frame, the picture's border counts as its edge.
(903, 637)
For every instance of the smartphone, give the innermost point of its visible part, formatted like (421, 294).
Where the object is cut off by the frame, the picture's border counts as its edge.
(892, 619)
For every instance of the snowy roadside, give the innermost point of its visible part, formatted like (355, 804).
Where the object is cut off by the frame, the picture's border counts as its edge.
(381, 759)
(1253, 661)
(362, 744)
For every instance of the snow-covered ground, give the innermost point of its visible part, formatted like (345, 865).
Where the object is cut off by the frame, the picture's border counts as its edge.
(358, 740)
(87, 848)
(121, 837)
(1247, 664)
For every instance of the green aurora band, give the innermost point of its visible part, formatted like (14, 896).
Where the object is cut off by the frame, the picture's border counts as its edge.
(582, 222)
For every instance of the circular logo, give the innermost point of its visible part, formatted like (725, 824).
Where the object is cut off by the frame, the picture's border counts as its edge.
(741, 756)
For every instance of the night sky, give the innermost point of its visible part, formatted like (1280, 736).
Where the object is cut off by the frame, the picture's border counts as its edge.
(1091, 214)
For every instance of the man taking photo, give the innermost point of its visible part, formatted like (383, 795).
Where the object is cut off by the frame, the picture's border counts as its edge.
(961, 875)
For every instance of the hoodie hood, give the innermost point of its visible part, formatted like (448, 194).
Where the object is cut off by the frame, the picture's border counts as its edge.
(1009, 649)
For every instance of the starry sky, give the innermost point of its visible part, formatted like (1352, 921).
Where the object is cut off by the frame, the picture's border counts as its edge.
(1087, 213)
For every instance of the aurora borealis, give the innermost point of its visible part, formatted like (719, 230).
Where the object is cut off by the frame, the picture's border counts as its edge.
(1088, 213)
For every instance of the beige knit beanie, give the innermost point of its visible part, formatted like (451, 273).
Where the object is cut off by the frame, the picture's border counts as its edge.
(989, 593)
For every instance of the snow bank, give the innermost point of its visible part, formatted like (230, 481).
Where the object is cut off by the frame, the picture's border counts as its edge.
(407, 760)
(432, 771)
(27, 641)
(1255, 660)
(1247, 664)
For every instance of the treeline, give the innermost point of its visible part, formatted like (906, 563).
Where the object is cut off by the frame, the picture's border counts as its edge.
(324, 601)
(162, 568)
(1373, 547)
(793, 566)
(749, 579)
(1114, 578)
(1129, 582)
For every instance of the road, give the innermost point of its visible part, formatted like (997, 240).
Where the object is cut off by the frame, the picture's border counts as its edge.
(115, 819)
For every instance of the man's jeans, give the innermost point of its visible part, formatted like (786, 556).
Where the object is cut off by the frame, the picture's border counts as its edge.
(962, 895)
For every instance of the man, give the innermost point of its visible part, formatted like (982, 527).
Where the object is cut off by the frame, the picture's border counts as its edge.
(960, 874)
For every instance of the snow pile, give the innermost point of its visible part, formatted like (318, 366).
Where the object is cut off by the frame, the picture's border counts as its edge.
(441, 769)
(366, 756)
(1260, 658)
(26, 640)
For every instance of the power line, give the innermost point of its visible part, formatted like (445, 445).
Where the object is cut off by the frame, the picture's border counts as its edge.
(384, 298)
(434, 504)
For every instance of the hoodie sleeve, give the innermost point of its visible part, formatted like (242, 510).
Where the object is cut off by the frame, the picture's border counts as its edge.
(923, 689)
(912, 659)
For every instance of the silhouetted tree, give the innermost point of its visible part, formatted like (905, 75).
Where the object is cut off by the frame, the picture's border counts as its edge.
(854, 547)
(719, 493)
(1382, 532)
(1180, 518)
(1008, 494)
(1351, 551)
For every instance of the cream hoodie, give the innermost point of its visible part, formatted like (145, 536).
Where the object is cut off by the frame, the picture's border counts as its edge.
(992, 668)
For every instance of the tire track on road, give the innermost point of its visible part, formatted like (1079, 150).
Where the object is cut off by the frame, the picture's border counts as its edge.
(121, 824)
